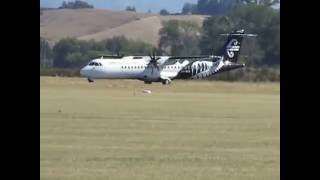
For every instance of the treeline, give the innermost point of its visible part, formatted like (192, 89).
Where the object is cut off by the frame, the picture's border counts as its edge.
(73, 53)
(261, 20)
(77, 4)
(46, 55)
(220, 7)
(129, 8)
(252, 74)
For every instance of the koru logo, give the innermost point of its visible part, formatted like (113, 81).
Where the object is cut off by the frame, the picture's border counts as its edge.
(231, 47)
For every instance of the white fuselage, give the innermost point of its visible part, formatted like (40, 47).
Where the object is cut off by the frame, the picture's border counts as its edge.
(136, 67)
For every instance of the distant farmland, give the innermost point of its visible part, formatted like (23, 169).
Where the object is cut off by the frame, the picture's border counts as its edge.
(188, 130)
(100, 24)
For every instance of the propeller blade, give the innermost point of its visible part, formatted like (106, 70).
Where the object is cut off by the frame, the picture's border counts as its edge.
(154, 60)
(154, 53)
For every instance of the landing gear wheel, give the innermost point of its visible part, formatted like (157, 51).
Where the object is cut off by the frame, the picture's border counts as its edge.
(90, 80)
(165, 82)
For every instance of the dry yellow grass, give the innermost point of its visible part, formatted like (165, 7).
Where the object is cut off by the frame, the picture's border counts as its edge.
(98, 24)
(198, 19)
(56, 24)
(145, 30)
(188, 130)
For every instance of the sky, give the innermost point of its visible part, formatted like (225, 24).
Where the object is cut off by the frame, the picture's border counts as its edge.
(173, 6)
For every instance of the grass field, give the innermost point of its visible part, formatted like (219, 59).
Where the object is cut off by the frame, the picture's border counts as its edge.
(188, 130)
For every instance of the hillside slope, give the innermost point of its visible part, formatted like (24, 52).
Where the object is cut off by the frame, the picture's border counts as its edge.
(100, 24)
(145, 30)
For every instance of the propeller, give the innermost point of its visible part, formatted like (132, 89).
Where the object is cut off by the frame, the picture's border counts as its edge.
(154, 60)
(118, 53)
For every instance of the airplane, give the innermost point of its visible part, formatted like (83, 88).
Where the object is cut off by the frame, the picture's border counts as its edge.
(164, 69)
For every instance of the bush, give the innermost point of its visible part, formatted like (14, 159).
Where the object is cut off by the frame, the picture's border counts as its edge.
(164, 12)
(250, 74)
(131, 8)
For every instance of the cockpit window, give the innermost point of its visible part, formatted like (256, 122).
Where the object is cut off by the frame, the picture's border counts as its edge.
(94, 64)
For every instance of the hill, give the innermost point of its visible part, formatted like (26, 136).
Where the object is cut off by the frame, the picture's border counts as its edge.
(100, 24)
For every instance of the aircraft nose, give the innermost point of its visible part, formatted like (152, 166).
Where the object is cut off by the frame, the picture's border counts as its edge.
(84, 71)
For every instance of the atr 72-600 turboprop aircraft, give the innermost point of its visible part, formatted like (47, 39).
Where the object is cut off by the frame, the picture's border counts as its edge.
(166, 68)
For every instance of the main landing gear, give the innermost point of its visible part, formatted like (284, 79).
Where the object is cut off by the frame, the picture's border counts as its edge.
(90, 80)
(166, 82)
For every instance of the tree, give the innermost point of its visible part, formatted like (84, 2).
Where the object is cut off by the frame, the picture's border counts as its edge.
(70, 52)
(179, 38)
(78, 4)
(120, 44)
(73, 53)
(45, 53)
(262, 2)
(164, 12)
(131, 8)
(216, 7)
(262, 20)
(189, 8)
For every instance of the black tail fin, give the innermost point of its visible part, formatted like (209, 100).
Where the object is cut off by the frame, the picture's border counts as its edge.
(233, 45)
